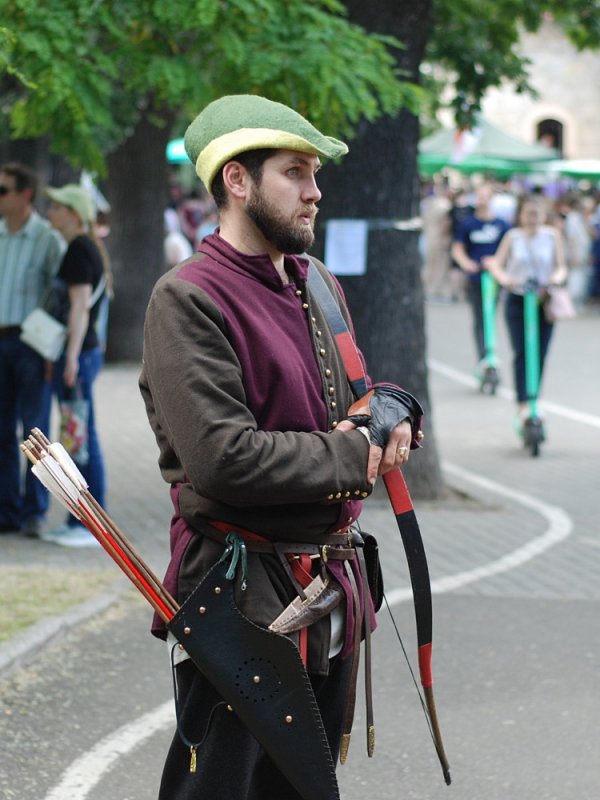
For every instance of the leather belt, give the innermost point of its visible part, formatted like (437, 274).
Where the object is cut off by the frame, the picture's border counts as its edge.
(9, 330)
(343, 537)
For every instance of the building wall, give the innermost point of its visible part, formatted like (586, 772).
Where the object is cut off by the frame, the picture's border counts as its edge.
(568, 85)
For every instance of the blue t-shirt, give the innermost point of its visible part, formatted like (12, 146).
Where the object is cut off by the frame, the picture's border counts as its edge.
(480, 238)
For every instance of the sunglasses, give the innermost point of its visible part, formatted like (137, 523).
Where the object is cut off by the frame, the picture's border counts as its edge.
(6, 190)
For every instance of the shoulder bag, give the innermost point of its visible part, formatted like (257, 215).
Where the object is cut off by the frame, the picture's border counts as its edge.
(45, 334)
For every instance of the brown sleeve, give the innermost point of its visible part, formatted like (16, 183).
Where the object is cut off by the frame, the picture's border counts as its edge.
(194, 381)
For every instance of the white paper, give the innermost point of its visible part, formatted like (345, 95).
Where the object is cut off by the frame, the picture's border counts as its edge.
(346, 246)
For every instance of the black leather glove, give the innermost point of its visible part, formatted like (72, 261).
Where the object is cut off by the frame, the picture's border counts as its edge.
(382, 409)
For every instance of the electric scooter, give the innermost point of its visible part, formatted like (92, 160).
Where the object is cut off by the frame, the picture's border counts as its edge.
(489, 378)
(533, 427)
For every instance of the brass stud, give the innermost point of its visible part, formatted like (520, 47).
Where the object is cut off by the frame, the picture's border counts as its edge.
(334, 424)
(217, 590)
(289, 719)
(327, 373)
(364, 494)
(350, 519)
(187, 631)
(319, 333)
(256, 679)
(357, 492)
(338, 495)
(314, 319)
(322, 351)
(305, 306)
(229, 708)
(346, 494)
(333, 404)
(330, 497)
(202, 610)
(420, 436)
(298, 293)
(331, 390)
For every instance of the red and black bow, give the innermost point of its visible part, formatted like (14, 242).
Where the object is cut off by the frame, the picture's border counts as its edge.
(402, 505)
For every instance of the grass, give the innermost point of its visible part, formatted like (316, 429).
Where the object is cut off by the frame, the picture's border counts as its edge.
(31, 594)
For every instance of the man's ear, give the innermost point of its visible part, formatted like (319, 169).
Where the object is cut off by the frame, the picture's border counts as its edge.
(236, 180)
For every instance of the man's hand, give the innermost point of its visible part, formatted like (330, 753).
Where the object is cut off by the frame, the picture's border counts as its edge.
(395, 453)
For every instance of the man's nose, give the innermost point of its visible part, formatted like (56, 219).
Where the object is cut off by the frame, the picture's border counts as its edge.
(311, 191)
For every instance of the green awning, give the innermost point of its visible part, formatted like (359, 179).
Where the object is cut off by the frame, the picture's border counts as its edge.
(483, 148)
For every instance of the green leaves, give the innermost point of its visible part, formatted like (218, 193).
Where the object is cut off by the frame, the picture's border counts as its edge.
(86, 70)
(476, 42)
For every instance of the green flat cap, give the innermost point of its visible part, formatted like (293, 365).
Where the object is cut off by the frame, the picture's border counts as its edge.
(241, 122)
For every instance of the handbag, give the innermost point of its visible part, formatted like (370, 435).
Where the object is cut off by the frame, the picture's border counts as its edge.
(74, 417)
(558, 304)
(43, 332)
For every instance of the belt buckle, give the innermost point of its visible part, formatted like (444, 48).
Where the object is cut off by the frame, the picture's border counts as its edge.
(324, 556)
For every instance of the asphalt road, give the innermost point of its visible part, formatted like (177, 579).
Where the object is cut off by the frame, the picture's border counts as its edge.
(514, 568)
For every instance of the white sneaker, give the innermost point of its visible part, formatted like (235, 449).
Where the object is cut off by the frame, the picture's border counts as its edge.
(70, 536)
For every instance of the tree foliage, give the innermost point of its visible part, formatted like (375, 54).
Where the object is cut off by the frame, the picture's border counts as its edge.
(476, 42)
(86, 71)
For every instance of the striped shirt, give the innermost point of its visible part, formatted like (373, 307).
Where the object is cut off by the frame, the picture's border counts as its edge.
(29, 258)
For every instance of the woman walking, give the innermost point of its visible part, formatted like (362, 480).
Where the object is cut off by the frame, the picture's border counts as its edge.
(82, 282)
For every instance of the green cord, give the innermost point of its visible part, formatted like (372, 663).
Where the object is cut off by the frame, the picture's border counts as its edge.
(237, 547)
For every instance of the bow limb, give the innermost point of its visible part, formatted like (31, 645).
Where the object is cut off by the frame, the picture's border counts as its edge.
(421, 587)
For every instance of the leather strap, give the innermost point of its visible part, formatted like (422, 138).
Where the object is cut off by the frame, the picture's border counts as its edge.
(367, 634)
(351, 693)
(301, 567)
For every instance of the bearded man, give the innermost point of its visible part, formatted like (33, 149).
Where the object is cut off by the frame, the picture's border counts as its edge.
(247, 395)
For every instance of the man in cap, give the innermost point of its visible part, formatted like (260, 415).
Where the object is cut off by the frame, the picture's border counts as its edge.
(247, 395)
(30, 253)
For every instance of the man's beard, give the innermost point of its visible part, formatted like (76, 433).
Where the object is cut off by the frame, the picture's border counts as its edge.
(277, 229)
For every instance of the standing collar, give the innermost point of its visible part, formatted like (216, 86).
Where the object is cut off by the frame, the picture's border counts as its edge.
(260, 267)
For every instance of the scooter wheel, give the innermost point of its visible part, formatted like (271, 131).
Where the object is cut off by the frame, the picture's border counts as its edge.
(490, 380)
(533, 435)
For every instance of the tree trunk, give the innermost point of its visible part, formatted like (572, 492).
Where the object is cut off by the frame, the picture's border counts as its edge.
(137, 193)
(378, 181)
(51, 169)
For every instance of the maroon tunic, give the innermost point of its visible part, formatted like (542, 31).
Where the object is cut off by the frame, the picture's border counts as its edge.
(243, 386)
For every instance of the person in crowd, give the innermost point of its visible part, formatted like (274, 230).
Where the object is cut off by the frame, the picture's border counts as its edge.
(247, 396)
(460, 209)
(532, 251)
(82, 280)
(478, 236)
(30, 253)
(190, 210)
(594, 291)
(578, 246)
(176, 246)
(435, 210)
(504, 203)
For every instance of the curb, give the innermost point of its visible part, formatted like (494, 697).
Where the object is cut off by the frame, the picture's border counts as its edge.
(20, 650)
